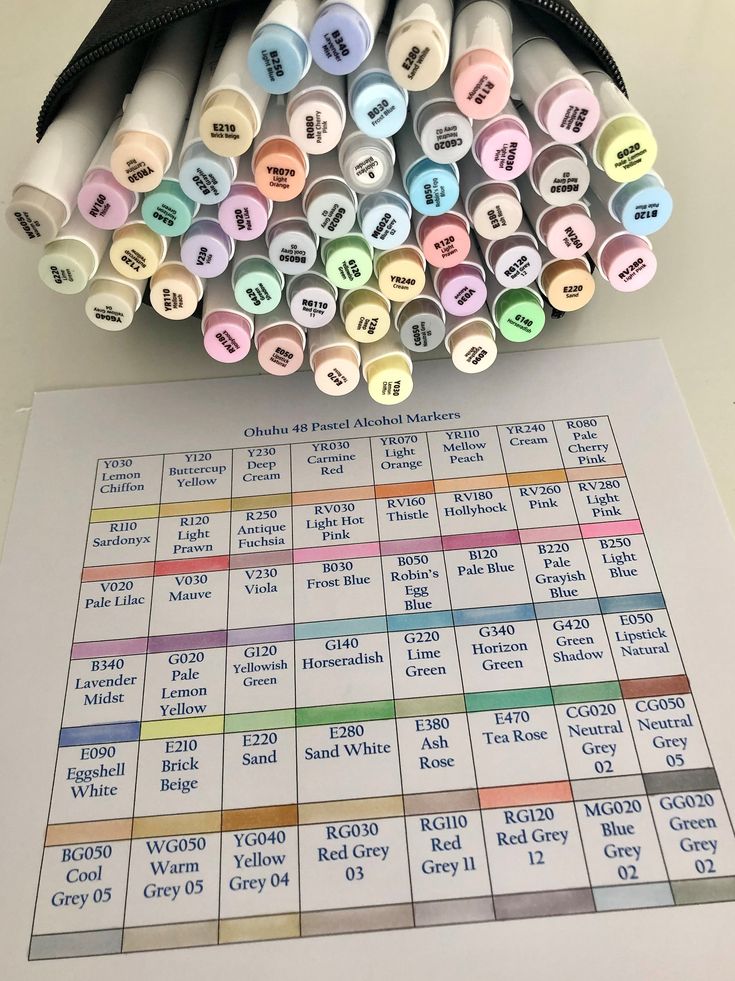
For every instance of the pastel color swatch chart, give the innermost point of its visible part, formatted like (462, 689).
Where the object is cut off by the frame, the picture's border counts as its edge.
(337, 674)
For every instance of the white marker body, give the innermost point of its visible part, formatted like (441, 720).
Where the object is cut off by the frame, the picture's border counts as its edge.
(387, 347)
(331, 336)
(322, 98)
(367, 162)
(443, 131)
(483, 25)
(438, 15)
(613, 105)
(232, 74)
(219, 298)
(298, 15)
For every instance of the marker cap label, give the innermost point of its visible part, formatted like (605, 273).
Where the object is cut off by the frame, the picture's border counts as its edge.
(342, 37)
(519, 314)
(167, 210)
(175, 292)
(278, 58)
(226, 336)
(292, 246)
(280, 347)
(257, 285)
(279, 169)
(482, 65)
(445, 239)
(567, 284)
(400, 273)
(136, 251)
(111, 305)
(502, 147)
(514, 261)
(471, 345)
(417, 49)
(365, 314)
(206, 249)
(348, 261)
(462, 289)
(103, 202)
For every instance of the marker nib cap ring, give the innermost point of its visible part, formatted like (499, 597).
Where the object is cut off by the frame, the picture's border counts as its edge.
(389, 380)
(151, 161)
(336, 370)
(615, 150)
(66, 266)
(428, 65)
(35, 215)
(341, 20)
(111, 305)
(481, 84)
(519, 315)
(230, 113)
(226, 337)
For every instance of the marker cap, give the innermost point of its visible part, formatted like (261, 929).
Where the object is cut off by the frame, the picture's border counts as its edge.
(515, 260)
(421, 323)
(316, 116)
(387, 369)
(348, 261)
(446, 135)
(503, 148)
(103, 202)
(167, 210)
(442, 182)
(378, 89)
(278, 58)
(229, 115)
(340, 19)
(330, 207)
(206, 249)
(432, 43)
(175, 292)
(568, 284)
(335, 360)
(279, 169)
(140, 160)
(614, 142)
(461, 289)
(34, 214)
(280, 348)
(312, 300)
(569, 111)
(245, 212)
(471, 345)
(206, 177)
(111, 305)
(567, 231)
(385, 219)
(644, 206)
(137, 251)
(227, 336)
(445, 239)
(67, 265)
(367, 164)
(627, 262)
(560, 174)
(292, 245)
(494, 210)
(400, 273)
(365, 313)
(482, 72)
(257, 285)
(519, 314)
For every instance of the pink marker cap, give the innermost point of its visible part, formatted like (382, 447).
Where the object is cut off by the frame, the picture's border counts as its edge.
(481, 84)
(227, 336)
(244, 213)
(567, 232)
(569, 112)
(462, 290)
(444, 240)
(103, 202)
(280, 349)
(628, 263)
(503, 149)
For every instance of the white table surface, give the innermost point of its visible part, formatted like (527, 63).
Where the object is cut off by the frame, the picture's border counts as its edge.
(676, 60)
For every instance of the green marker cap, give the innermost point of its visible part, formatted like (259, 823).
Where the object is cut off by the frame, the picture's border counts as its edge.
(519, 315)
(167, 210)
(348, 261)
(257, 285)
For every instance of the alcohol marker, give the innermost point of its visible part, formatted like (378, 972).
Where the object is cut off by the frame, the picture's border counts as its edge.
(206, 248)
(344, 33)
(347, 260)
(367, 162)
(444, 239)
(443, 131)
(515, 260)
(482, 62)
(71, 259)
(316, 111)
(518, 313)
(101, 200)
(387, 368)
(401, 272)
(622, 143)
(560, 99)
(329, 203)
(376, 102)
(421, 322)
(502, 146)
(45, 193)
(112, 300)
(642, 207)
(311, 298)
(493, 207)
(279, 341)
(432, 187)
(558, 172)
(256, 282)
(470, 341)
(175, 291)
(385, 216)
(461, 288)
(568, 284)
(156, 109)
(335, 360)
(626, 261)
(136, 250)
(365, 312)
(279, 54)
(245, 211)
(205, 177)
(226, 331)
(167, 209)
(233, 107)
(292, 245)
(418, 45)
(567, 231)
(279, 166)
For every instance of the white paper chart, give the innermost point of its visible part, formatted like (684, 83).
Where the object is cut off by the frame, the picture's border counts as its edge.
(325, 670)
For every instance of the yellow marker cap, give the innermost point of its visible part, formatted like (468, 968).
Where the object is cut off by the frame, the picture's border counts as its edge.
(226, 125)
(626, 149)
(366, 315)
(137, 251)
(401, 274)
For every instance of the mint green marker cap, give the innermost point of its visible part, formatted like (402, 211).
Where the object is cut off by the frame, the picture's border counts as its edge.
(348, 261)
(257, 285)
(167, 210)
(519, 315)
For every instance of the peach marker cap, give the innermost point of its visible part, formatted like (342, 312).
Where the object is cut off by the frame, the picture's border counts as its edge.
(279, 169)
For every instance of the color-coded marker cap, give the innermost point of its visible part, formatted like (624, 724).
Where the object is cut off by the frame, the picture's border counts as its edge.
(461, 289)
(206, 249)
(136, 251)
(448, 137)
(384, 219)
(34, 215)
(278, 58)
(66, 265)
(378, 105)
(568, 284)
(420, 325)
(389, 379)
(644, 206)
(280, 349)
(340, 39)
(519, 264)
(560, 174)
(227, 337)
(205, 177)
(494, 211)
(111, 305)
(244, 213)
(330, 208)
(417, 54)
(626, 149)
(227, 124)
(503, 149)
(481, 84)
(445, 240)
(139, 161)
(175, 292)
(103, 202)
(400, 274)
(256, 285)
(432, 187)
(519, 315)
(336, 370)
(348, 261)
(569, 111)
(167, 210)
(279, 169)
(313, 302)
(366, 315)
(292, 246)
(628, 263)
(472, 347)
(567, 234)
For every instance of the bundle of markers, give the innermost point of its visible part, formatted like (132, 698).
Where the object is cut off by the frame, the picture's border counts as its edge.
(344, 194)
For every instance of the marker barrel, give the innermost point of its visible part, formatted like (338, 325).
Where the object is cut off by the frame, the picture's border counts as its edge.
(279, 54)
(279, 341)
(385, 216)
(502, 146)
(433, 188)
(136, 251)
(442, 130)
(234, 106)
(348, 260)
(329, 203)
(470, 341)
(642, 207)
(292, 245)
(311, 298)
(175, 292)
(206, 248)
(280, 167)
(515, 260)
(316, 110)
(482, 61)
(558, 171)
(365, 312)
(418, 45)
(71, 259)
(518, 313)
(256, 283)
(462, 288)
(227, 332)
(387, 368)
(367, 162)
(377, 103)
(560, 99)
(156, 109)
(45, 193)
(101, 200)
(334, 358)
(344, 33)
(112, 300)
(245, 211)
(444, 239)
(568, 284)
(626, 261)
(401, 272)
(421, 322)
(493, 207)
(567, 230)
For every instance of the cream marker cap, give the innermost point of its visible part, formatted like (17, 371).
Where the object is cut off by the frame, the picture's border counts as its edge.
(112, 300)
(175, 292)
(136, 251)
(387, 368)
(365, 312)
(335, 359)
(401, 272)
(417, 50)
(471, 342)
(71, 259)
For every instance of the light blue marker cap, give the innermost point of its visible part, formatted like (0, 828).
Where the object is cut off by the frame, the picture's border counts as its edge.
(432, 187)
(385, 219)
(378, 105)
(278, 58)
(643, 206)
(205, 176)
(167, 210)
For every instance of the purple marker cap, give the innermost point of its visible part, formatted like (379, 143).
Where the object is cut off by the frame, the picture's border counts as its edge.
(340, 39)
(504, 149)
(103, 202)
(206, 248)
(461, 289)
(244, 213)
(227, 336)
